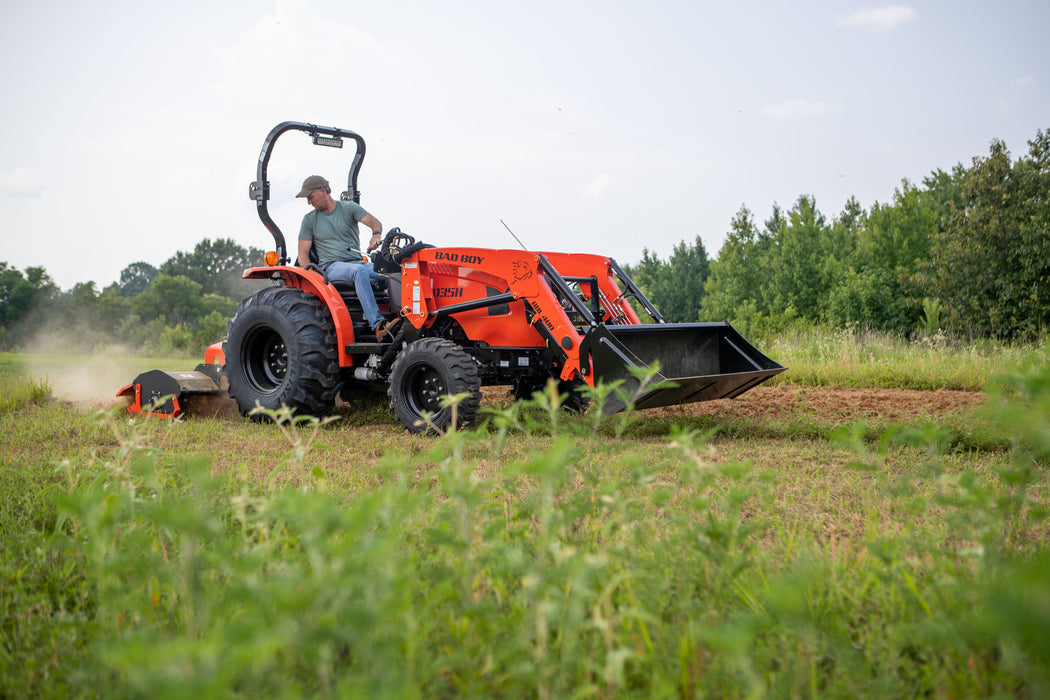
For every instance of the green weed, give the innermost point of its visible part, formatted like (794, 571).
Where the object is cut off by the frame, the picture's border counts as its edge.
(19, 393)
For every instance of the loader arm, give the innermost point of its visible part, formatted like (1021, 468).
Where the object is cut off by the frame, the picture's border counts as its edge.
(515, 298)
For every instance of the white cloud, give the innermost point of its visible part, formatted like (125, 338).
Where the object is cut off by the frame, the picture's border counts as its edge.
(598, 186)
(878, 19)
(1013, 98)
(290, 52)
(1023, 81)
(21, 182)
(800, 107)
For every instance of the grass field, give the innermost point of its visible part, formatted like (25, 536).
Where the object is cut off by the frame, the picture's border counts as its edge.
(658, 554)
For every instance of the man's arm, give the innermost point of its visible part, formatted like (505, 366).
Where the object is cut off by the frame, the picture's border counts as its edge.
(377, 231)
(306, 238)
(304, 252)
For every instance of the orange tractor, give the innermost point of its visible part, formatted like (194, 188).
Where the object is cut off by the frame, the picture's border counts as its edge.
(471, 317)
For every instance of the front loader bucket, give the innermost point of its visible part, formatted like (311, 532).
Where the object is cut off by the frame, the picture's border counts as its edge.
(704, 361)
(165, 394)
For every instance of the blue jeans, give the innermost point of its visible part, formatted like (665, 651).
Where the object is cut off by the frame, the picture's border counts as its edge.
(361, 274)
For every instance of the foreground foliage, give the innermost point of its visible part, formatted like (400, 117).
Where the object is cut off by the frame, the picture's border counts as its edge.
(540, 556)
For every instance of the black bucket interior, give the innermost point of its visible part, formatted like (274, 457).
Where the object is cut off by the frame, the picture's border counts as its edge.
(704, 361)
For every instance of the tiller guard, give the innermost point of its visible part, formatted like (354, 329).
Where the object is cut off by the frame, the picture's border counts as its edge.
(165, 394)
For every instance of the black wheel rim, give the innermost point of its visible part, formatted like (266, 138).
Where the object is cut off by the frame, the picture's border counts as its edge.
(426, 387)
(265, 359)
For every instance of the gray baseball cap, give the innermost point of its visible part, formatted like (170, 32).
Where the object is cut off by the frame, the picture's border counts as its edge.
(314, 182)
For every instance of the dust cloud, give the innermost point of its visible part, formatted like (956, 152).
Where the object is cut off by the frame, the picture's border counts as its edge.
(91, 382)
(87, 381)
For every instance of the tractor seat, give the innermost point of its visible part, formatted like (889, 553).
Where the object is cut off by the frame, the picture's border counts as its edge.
(346, 289)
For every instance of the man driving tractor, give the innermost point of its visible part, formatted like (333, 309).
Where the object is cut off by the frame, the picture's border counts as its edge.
(331, 231)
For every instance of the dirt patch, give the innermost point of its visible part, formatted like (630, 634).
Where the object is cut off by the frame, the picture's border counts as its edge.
(840, 405)
(761, 403)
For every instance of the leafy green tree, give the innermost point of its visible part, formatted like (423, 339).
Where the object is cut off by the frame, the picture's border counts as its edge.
(646, 274)
(738, 278)
(675, 287)
(942, 192)
(136, 278)
(845, 230)
(112, 309)
(798, 269)
(210, 329)
(1030, 291)
(883, 286)
(992, 261)
(214, 303)
(898, 237)
(686, 273)
(174, 298)
(216, 266)
(20, 293)
(858, 298)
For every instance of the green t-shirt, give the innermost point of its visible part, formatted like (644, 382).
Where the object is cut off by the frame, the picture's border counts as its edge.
(333, 232)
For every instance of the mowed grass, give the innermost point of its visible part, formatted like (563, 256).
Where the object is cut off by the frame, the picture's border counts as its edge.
(542, 555)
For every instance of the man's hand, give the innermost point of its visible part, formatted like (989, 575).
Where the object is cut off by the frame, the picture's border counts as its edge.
(377, 231)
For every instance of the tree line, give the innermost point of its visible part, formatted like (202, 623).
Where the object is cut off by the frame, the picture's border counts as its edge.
(966, 252)
(180, 307)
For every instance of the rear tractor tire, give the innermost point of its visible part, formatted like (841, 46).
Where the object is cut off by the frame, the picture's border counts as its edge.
(425, 372)
(281, 351)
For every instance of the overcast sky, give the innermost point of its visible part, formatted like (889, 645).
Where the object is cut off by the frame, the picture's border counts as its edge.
(131, 130)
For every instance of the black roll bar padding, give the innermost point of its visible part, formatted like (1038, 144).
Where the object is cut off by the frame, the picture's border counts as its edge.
(260, 189)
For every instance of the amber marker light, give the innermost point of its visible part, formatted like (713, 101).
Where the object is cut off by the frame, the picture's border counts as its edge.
(271, 258)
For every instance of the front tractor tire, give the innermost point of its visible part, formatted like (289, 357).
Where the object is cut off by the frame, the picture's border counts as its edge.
(425, 372)
(281, 352)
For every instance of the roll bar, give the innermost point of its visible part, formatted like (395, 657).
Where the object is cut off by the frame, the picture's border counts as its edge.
(322, 136)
